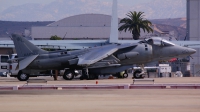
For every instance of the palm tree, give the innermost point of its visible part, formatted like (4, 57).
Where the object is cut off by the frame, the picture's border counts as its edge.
(134, 22)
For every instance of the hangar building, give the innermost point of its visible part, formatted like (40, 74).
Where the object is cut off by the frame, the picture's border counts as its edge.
(83, 26)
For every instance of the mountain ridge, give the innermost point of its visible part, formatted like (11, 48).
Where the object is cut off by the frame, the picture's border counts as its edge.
(64, 8)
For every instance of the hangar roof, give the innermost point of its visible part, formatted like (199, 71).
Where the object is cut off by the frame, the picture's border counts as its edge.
(83, 26)
(85, 20)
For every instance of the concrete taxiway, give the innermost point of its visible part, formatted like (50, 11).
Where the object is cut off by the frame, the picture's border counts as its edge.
(98, 100)
(171, 83)
(176, 80)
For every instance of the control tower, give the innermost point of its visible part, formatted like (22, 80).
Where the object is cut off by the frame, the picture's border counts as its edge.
(193, 32)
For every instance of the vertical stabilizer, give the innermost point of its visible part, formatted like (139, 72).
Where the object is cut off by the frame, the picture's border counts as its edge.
(24, 48)
(114, 24)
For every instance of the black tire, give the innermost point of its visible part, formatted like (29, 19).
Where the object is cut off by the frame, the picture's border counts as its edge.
(96, 76)
(136, 74)
(68, 75)
(118, 75)
(84, 77)
(81, 77)
(92, 77)
(22, 76)
(125, 75)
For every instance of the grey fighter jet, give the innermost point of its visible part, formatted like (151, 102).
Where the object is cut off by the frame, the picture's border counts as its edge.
(111, 58)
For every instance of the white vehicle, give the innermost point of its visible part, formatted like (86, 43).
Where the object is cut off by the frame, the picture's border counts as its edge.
(4, 65)
(8, 68)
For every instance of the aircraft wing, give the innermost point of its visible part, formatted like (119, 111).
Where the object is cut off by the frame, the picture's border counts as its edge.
(99, 53)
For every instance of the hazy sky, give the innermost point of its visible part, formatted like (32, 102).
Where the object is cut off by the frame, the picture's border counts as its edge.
(48, 10)
(8, 3)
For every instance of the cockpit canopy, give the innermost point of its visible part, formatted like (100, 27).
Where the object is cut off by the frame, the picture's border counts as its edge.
(159, 41)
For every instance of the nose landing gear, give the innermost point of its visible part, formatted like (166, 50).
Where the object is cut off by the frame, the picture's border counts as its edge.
(140, 74)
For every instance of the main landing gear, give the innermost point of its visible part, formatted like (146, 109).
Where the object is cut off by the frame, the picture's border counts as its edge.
(69, 74)
(22, 76)
(87, 76)
(140, 74)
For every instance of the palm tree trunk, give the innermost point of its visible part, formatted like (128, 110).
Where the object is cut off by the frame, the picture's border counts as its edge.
(136, 37)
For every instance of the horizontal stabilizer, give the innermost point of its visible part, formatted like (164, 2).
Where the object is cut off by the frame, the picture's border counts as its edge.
(14, 60)
(26, 61)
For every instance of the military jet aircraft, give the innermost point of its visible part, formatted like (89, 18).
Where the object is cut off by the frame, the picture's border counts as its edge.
(103, 59)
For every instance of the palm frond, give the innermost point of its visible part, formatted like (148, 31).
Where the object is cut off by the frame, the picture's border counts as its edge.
(134, 22)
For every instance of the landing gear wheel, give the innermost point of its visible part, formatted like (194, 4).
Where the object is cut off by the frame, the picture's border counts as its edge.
(22, 76)
(137, 75)
(68, 75)
(93, 77)
(83, 77)
(96, 76)
(125, 75)
(118, 75)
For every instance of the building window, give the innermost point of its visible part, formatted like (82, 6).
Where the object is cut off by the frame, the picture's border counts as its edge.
(4, 59)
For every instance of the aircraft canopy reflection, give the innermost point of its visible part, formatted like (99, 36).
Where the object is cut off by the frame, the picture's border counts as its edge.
(159, 41)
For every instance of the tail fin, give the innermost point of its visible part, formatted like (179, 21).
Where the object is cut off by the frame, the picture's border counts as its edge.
(114, 24)
(24, 48)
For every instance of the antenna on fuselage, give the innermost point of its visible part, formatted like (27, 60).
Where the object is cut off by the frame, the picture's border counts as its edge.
(114, 24)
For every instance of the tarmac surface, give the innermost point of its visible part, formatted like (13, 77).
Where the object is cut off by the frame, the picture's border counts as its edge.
(102, 80)
(106, 100)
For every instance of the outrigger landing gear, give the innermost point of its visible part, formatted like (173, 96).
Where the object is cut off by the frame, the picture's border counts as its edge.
(139, 74)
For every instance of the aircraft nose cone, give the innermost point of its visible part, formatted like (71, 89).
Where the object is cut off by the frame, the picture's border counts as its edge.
(191, 51)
